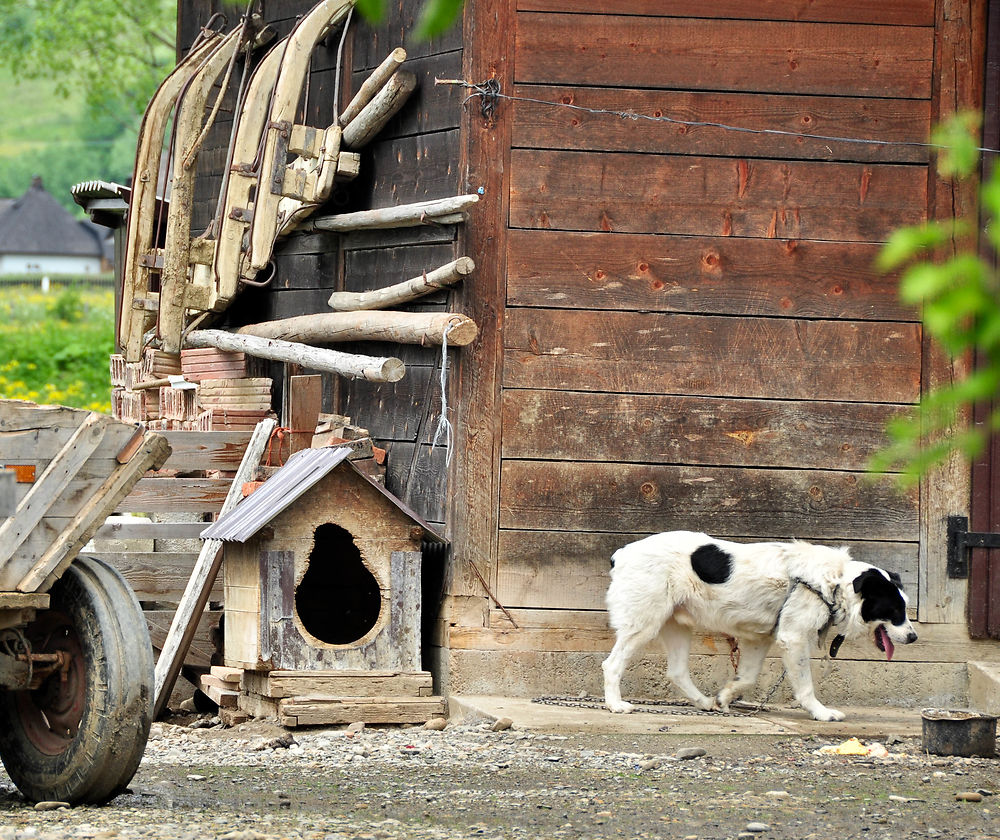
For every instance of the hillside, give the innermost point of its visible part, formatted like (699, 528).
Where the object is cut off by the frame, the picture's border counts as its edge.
(43, 133)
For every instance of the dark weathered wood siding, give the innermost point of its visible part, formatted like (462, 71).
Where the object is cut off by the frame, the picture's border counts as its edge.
(694, 334)
(415, 158)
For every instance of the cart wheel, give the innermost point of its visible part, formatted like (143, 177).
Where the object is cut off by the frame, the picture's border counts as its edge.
(135, 711)
(71, 739)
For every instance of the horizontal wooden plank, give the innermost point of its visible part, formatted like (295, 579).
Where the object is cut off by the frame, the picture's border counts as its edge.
(37, 444)
(182, 495)
(902, 12)
(329, 711)
(705, 196)
(569, 569)
(538, 125)
(771, 358)
(715, 275)
(935, 643)
(568, 496)
(661, 429)
(278, 684)
(206, 450)
(779, 57)
(150, 530)
(157, 575)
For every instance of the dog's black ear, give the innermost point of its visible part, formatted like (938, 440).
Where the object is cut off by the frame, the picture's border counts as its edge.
(896, 579)
(864, 577)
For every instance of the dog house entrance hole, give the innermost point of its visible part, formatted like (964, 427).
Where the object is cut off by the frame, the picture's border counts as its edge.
(338, 600)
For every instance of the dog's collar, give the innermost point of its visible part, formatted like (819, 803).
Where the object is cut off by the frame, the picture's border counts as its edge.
(834, 618)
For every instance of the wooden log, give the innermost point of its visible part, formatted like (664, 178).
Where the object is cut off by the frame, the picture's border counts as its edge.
(185, 621)
(372, 85)
(421, 328)
(439, 211)
(373, 369)
(404, 292)
(374, 116)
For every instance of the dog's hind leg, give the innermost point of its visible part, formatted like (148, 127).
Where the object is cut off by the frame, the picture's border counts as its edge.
(628, 641)
(752, 653)
(677, 643)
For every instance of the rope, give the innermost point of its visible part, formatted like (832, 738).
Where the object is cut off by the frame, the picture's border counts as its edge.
(444, 424)
(280, 433)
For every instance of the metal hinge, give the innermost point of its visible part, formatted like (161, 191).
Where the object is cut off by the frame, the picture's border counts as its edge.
(960, 540)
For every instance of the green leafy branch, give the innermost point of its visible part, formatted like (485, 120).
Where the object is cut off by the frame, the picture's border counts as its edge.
(959, 292)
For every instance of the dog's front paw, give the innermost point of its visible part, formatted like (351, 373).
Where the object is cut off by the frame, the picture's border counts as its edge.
(707, 704)
(619, 707)
(823, 713)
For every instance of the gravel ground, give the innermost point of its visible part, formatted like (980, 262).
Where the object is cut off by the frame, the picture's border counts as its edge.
(259, 781)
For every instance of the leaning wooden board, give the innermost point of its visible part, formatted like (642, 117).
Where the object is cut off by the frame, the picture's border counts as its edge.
(79, 463)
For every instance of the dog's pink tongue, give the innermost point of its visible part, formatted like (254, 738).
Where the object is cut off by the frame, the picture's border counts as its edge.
(887, 644)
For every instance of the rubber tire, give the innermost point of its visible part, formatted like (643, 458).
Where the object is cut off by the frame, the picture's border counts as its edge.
(134, 714)
(90, 766)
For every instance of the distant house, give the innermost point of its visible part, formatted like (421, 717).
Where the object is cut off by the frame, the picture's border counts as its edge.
(39, 236)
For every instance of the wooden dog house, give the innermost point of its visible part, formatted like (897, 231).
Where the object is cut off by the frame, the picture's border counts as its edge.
(322, 578)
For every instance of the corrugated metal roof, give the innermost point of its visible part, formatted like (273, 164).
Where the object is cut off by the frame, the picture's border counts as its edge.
(302, 471)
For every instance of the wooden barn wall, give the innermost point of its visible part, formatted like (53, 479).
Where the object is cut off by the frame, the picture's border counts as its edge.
(415, 158)
(693, 334)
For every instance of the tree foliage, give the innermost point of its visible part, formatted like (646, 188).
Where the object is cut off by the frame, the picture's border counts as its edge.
(112, 52)
(959, 292)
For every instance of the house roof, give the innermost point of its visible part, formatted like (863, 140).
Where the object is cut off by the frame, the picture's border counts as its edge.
(36, 223)
(303, 470)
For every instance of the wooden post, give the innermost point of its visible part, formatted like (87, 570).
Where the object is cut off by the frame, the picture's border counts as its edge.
(305, 401)
(404, 327)
(380, 110)
(374, 369)
(372, 85)
(404, 292)
(440, 211)
(199, 587)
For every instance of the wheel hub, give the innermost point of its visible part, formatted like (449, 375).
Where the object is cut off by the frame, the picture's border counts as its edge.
(51, 712)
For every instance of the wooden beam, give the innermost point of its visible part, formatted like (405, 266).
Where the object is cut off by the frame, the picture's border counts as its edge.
(331, 361)
(439, 211)
(372, 85)
(185, 621)
(374, 116)
(405, 292)
(421, 328)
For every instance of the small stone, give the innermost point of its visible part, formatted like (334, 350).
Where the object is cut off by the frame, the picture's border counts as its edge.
(758, 827)
(685, 753)
(52, 805)
(436, 724)
(356, 727)
(502, 724)
(650, 764)
(196, 777)
(777, 794)
(969, 796)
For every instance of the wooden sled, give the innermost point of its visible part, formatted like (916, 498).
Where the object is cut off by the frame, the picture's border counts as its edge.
(177, 292)
(138, 306)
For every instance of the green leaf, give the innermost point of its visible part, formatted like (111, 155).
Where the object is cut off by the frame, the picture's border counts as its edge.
(372, 10)
(906, 243)
(957, 139)
(435, 17)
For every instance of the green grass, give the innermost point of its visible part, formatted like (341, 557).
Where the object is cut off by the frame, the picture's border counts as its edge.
(54, 347)
(35, 116)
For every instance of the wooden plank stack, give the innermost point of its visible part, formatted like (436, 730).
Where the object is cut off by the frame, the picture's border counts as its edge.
(323, 698)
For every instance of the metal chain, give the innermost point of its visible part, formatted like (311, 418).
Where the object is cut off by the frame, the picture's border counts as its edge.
(737, 708)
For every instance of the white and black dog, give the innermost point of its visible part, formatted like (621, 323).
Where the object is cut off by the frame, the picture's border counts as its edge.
(674, 583)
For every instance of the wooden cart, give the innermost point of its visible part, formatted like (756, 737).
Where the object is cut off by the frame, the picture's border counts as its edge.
(76, 664)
